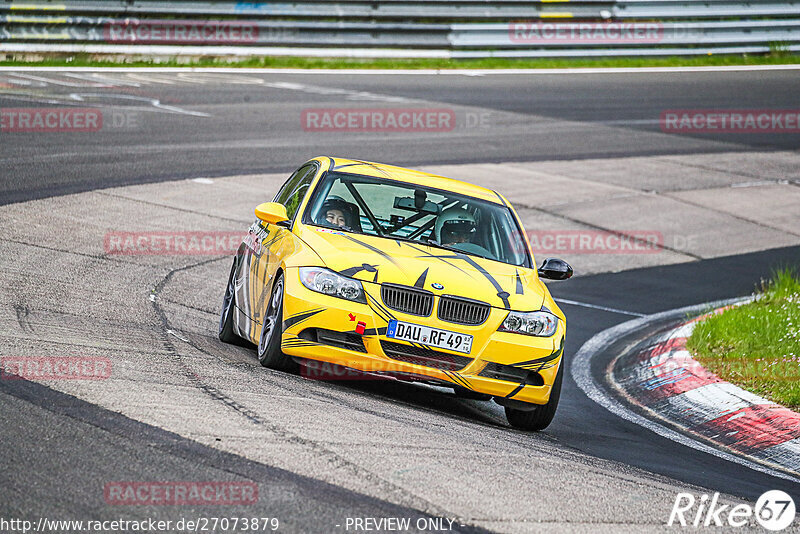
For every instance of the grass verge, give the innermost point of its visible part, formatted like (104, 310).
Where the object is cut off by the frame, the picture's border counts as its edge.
(90, 60)
(757, 345)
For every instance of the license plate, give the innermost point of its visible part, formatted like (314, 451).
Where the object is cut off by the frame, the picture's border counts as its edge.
(432, 337)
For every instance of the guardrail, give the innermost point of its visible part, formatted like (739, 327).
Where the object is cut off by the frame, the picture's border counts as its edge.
(395, 28)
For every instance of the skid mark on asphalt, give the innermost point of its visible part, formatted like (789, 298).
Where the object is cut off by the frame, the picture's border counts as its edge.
(23, 318)
(170, 347)
(217, 395)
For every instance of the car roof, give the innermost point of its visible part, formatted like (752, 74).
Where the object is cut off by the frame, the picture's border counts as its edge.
(401, 174)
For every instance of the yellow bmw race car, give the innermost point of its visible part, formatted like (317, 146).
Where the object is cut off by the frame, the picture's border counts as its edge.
(403, 274)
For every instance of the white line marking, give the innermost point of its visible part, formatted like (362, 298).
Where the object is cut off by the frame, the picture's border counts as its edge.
(351, 95)
(97, 77)
(174, 333)
(597, 307)
(580, 370)
(61, 82)
(154, 102)
(460, 72)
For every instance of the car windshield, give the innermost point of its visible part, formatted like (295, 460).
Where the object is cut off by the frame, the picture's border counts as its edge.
(407, 212)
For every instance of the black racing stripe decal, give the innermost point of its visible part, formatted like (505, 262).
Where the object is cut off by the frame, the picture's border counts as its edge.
(420, 283)
(352, 271)
(373, 249)
(461, 380)
(276, 238)
(365, 163)
(440, 258)
(387, 316)
(368, 164)
(383, 310)
(516, 390)
(249, 329)
(502, 295)
(520, 289)
(297, 343)
(344, 166)
(449, 375)
(381, 315)
(543, 360)
(299, 318)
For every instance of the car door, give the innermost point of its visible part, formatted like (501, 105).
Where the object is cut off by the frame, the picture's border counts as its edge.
(274, 242)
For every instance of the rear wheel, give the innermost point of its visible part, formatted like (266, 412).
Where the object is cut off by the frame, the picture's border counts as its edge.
(227, 330)
(269, 345)
(542, 415)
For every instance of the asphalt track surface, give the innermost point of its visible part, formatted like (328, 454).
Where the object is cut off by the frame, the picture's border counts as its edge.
(46, 434)
(255, 123)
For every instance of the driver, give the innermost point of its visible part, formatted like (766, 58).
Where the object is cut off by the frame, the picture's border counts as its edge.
(337, 212)
(335, 217)
(455, 226)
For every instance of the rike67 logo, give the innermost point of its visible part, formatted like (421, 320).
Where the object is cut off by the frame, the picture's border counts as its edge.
(774, 510)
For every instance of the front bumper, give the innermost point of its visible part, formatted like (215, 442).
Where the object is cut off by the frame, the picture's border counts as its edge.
(323, 328)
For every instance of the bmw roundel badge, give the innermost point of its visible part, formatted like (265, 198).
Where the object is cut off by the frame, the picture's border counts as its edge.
(437, 286)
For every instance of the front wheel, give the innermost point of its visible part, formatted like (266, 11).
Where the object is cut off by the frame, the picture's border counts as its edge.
(269, 345)
(541, 416)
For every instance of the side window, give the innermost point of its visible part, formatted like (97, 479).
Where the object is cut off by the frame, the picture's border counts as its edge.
(295, 189)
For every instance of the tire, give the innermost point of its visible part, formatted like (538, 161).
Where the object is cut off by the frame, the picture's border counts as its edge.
(227, 330)
(540, 417)
(269, 345)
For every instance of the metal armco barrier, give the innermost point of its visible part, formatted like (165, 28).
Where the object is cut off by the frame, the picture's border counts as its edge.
(389, 28)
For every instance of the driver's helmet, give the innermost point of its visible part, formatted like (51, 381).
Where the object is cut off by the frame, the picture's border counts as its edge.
(455, 225)
(350, 211)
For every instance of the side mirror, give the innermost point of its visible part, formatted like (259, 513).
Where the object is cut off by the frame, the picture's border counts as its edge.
(555, 269)
(272, 213)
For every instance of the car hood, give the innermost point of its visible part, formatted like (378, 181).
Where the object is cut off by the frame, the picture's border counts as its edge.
(381, 260)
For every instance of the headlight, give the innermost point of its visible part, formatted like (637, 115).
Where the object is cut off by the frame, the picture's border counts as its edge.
(539, 323)
(331, 283)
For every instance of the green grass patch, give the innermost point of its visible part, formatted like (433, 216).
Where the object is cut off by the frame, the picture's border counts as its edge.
(90, 60)
(757, 345)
